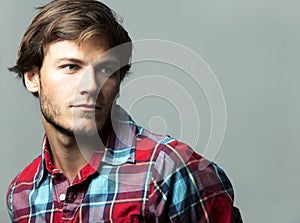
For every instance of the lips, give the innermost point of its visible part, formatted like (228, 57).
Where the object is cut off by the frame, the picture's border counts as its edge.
(86, 107)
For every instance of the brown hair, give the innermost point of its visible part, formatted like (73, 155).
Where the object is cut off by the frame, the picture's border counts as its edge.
(75, 20)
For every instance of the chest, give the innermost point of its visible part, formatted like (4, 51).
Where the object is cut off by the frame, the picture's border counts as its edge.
(113, 194)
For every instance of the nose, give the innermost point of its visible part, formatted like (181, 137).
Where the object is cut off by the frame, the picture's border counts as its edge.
(88, 83)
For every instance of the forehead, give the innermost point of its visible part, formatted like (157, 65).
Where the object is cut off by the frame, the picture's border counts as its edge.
(90, 51)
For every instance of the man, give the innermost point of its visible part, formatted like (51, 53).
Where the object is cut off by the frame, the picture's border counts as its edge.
(96, 164)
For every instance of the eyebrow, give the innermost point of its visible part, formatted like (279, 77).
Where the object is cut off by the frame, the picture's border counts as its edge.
(110, 61)
(69, 59)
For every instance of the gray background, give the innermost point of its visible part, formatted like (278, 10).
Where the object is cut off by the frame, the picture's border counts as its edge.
(252, 47)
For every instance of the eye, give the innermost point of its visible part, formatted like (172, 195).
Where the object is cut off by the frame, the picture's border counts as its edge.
(107, 70)
(70, 68)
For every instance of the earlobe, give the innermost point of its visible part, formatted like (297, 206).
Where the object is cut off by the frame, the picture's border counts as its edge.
(32, 81)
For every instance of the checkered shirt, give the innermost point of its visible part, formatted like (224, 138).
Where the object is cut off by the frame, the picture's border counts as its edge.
(142, 178)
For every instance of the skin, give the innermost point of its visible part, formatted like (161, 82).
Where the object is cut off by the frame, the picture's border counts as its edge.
(77, 86)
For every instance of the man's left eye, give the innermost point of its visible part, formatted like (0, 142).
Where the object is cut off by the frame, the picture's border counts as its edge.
(106, 70)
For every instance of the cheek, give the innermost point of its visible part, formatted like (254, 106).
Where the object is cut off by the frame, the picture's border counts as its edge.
(58, 96)
(110, 90)
(59, 88)
(58, 92)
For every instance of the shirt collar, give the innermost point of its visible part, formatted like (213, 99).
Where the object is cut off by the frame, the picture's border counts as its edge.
(120, 146)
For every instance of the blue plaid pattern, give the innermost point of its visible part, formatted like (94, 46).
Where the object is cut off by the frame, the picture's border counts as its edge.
(140, 177)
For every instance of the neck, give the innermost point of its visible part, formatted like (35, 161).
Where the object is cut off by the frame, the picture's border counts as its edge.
(69, 153)
(65, 154)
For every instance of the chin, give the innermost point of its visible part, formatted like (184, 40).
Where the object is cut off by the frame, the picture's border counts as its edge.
(90, 129)
(85, 132)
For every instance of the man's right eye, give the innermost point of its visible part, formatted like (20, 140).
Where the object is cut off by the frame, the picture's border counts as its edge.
(70, 68)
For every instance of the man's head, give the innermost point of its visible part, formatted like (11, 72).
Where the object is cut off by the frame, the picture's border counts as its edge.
(76, 20)
(69, 57)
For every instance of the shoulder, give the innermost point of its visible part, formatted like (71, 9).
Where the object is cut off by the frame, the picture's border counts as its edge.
(24, 180)
(171, 157)
(185, 183)
(29, 172)
(179, 163)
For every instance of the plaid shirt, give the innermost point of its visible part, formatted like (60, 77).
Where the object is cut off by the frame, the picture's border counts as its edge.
(142, 178)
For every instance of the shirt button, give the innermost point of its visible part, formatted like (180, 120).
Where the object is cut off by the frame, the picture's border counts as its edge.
(62, 197)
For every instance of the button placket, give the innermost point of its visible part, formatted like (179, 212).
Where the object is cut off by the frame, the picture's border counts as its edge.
(72, 203)
(70, 197)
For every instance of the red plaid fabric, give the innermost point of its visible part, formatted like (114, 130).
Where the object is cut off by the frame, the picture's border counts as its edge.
(155, 179)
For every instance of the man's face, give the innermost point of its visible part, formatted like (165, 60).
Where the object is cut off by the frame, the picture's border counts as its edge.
(78, 85)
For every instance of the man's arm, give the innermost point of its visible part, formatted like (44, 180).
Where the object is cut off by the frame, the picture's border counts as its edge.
(9, 195)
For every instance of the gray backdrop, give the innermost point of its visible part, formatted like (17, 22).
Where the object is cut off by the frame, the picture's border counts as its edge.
(253, 48)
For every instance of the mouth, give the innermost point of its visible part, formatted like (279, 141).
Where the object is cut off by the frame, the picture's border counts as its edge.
(86, 107)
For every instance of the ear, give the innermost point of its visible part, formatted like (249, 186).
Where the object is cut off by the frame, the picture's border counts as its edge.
(32, 81)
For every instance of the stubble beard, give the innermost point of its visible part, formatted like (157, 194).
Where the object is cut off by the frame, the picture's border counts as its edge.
(52, 113)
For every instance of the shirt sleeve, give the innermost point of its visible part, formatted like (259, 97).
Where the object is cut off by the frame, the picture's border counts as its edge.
(188, 188)
(9, 195)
